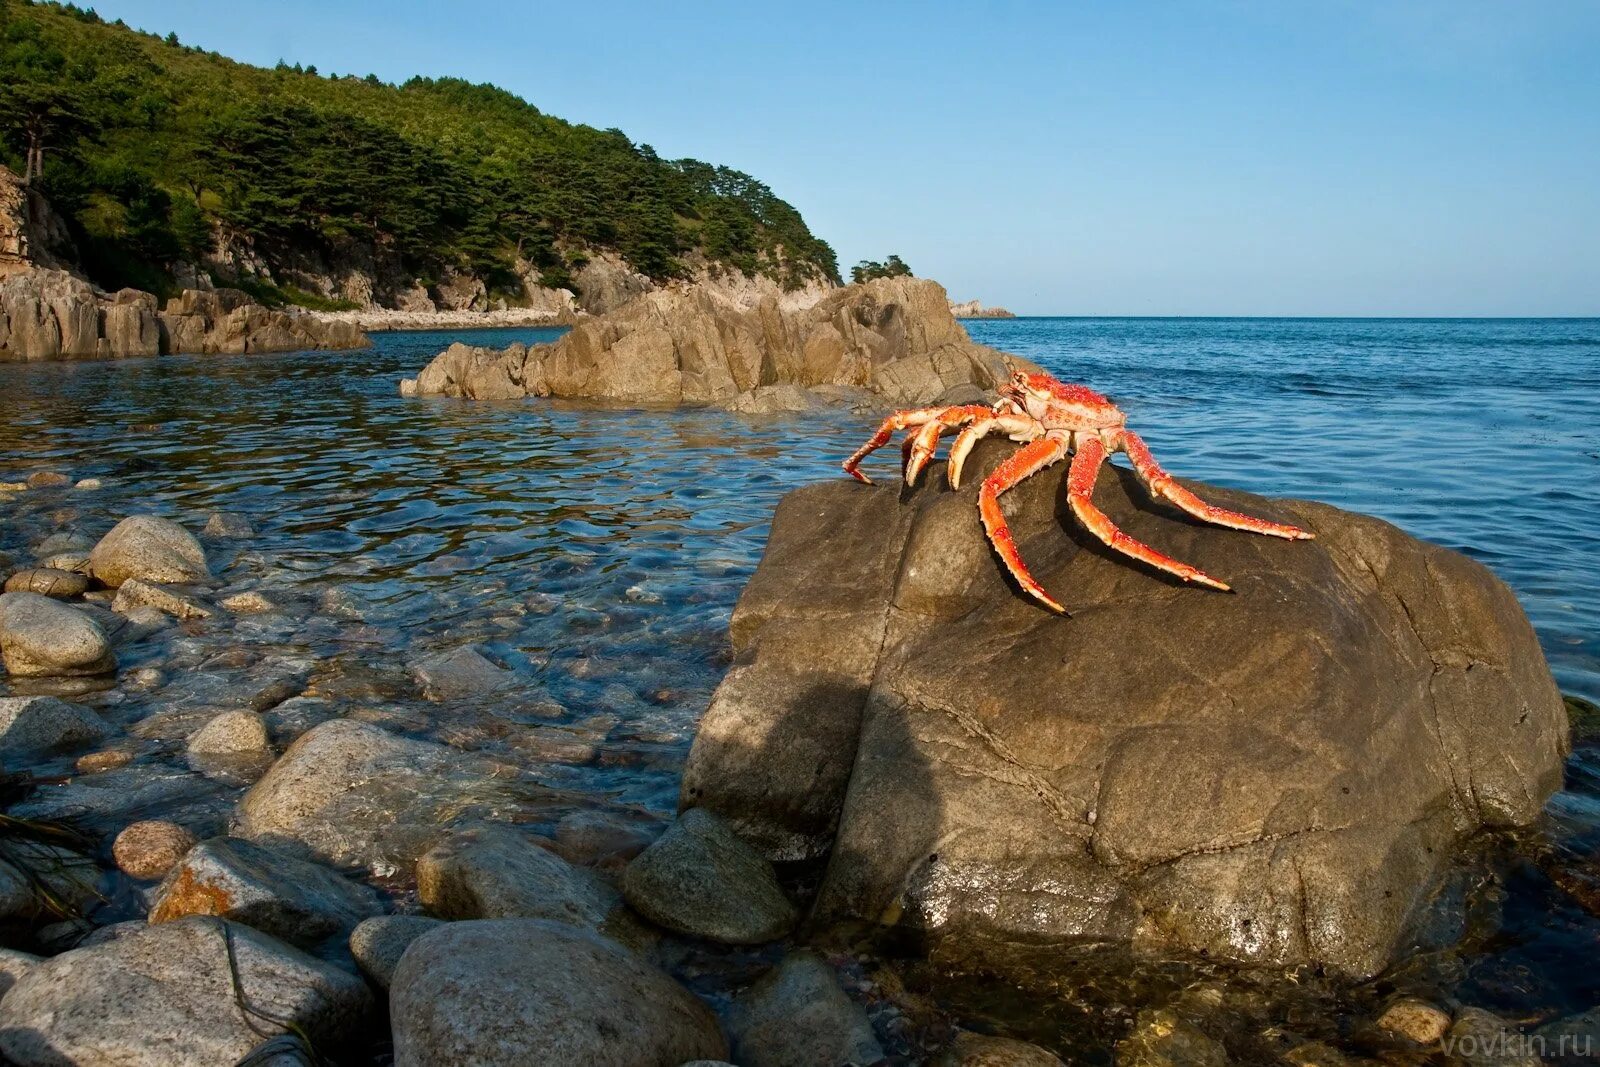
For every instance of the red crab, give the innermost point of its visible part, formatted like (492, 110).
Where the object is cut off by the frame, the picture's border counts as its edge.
(1053, 419)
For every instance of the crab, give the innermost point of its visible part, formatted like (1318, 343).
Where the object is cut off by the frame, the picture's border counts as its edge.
(1052, 419)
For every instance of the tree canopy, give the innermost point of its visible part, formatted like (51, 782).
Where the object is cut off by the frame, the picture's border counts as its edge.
(868, 269)
(145, 144)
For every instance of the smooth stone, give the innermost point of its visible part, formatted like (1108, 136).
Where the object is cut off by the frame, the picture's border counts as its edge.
(1483, 1039)
(112, 799)
(1163, 1038)
(105, 760)
(48, 581)
(700, 879)
(797, 1016)
(64, 541)
(600, 839)
(304, 903)
(461, 673)
(378, 943)
(47, 480)
(45, 724)
(494, 872)
(151, 548)
(233, 733)
(165, 995)
(249, 602)
(510, 992)
(150, 848)
(43, 638)
(979, 1050)
(1416, 1020)
(76, 562)
(137, 593)
(14, 964)
(37, 879)
(88, 483)
(354, 794)
(228, 524)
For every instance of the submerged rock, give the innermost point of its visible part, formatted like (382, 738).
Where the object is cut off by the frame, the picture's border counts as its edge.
(35, 725)
(165, 995)
(1416, 1020)
(352, 793)
(700, 879)
(227, 524)
(458, 674)
(1273, 777)
(797, 1016)
(234, 742)
(150, 548)
(1163, 1038)
(894, 337)
(169, 600)
(493, 872)
(303, 903)
(378, 943)
(44, 638)
(508, 992)
(978, 1050)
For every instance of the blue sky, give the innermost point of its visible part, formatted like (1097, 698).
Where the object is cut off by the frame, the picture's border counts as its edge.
(1438, 157)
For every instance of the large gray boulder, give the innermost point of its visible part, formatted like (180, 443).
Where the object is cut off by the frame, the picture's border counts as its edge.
(700, 879)
(44, 638)
(149, 548)
(508, 992)
(893, 336)
(1275, 776)
(166, 995)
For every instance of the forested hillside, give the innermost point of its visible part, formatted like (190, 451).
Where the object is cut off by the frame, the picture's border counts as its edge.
(150, 149)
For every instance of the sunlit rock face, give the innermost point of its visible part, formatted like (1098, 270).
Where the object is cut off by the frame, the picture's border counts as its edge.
(894, 338)
(1274, 776)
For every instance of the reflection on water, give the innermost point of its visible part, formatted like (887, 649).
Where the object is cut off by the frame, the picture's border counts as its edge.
(598, 554)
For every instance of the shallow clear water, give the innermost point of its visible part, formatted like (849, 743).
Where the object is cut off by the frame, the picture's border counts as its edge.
(598, 553)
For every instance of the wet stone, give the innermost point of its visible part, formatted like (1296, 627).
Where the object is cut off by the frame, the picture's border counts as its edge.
(76, 562)
(978, 1050)
(461, 673)
(302, 902)
(1483, 1039)
(42, 724)
(148, 849)
(797, 1015)
(601, 839)
(378, 943)
(1162, 1038)
(112, 799)
(493, 872)
(249, 602)
(150, 548)
(1416, 1020)
(700, 879)
(104, 760)
(40, 637)
(227, 524)
(169, 600)
(48, 581)
(48, 480)
(64, 541)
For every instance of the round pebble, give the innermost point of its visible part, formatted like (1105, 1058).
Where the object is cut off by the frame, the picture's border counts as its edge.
(108, 760)
(149, 849)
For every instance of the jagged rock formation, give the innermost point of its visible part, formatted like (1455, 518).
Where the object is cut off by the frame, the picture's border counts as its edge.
(51, 314)
(1273, 777)
(974, 309)
(31, 235)
(894, 337)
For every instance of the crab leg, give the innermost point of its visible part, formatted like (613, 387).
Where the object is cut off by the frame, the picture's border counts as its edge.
(1017, 425)
(1160, 484)
(927, 438)
(1028, 460)
(900, 420)
(1080, 490)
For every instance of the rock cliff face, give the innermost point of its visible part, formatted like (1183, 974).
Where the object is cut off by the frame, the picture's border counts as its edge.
(31, 235)
(892, 337)
(1274, 777)
(51, 314)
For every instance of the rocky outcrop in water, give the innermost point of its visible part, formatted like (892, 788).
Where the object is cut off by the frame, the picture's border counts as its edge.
(51, 314)
(894, 337)
(1272, 777)
(974, 309)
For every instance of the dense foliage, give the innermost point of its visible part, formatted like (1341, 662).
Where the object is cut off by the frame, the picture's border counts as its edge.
(868, 269)
(145, 145)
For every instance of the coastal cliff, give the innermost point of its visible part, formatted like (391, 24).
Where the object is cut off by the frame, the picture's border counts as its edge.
(974, 309)
(892, 338)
